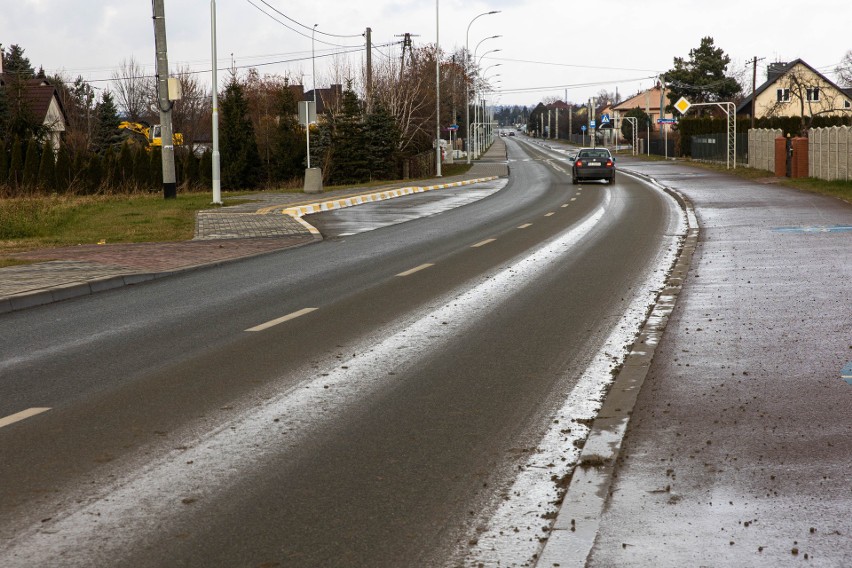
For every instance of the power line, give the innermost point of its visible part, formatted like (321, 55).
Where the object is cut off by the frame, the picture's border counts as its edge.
(251, 66)
(267, 14)
(572, 65)
(574, 86)
(309, 28)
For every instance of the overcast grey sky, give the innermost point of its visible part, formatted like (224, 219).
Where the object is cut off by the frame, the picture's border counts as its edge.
(547, 46)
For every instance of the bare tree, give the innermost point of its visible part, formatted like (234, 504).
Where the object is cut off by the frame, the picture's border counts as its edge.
(134, 91)
(402, 99)
(844, 70)
(194, 107)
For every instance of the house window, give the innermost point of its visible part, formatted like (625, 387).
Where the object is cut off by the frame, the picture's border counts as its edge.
(783, 95)
(813, 94)
(847, 104)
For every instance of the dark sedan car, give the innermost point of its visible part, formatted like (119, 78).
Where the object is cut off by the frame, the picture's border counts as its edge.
(593, 163)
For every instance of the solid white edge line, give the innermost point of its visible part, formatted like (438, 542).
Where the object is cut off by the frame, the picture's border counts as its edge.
(415, 269)
(282, 319)
(22, 415)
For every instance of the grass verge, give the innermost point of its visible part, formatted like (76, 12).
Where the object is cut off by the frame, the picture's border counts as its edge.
(50, 221)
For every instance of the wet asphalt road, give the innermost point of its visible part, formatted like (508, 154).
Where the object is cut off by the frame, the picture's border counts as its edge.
(376, 430)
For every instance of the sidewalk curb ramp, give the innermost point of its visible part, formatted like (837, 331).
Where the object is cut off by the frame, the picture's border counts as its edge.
(299, 211)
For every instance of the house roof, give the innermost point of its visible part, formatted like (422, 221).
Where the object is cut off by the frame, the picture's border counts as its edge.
(649, 98)
(777, 73)
(38, 94)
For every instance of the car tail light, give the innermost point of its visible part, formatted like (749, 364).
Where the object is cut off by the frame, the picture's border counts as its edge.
(579, 163)
(609, 163)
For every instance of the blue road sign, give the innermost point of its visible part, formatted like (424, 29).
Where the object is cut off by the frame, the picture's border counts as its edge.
(583, 128)
(592, 124)
(604, 119)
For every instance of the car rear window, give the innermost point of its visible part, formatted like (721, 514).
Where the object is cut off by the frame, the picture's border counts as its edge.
(594, 154)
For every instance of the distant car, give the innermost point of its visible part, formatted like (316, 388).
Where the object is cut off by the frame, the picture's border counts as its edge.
(511, 133)
(593, 163)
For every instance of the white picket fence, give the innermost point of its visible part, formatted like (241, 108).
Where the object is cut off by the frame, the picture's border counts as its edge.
(829, 150)
(761, 148)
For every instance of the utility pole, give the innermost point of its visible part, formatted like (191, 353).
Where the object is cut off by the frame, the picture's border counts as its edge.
(163, 102)
(754, 87)
(369, 85)
(406, 44)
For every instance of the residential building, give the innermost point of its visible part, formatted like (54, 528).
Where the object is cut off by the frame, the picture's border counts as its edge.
(796, 89)
(42, 101)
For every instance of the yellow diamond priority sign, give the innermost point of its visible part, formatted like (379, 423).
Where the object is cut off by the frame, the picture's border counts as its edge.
(682, 105)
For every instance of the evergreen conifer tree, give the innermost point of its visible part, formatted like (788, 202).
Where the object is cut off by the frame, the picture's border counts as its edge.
(289, 150)
(205, 170)
(94, 173)
(107, 134)
(47, 169)
(382, 143)
(31, 161)
(155, 165)
(4, 163)
(16, 165)
(64, 174)
(241, 165)
(124, 167)
(141, 168)
(190, 167)
(350, 160)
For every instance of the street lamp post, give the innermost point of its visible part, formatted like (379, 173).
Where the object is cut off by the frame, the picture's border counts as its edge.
(216, 173)
(478, 61)
(437, 90)
(467, 90)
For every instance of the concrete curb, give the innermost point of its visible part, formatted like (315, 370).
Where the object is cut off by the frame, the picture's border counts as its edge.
(74, 290)
(301, 210)
(53, 294)
(576, 527)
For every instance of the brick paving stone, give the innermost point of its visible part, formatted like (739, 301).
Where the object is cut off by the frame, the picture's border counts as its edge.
(227, 233)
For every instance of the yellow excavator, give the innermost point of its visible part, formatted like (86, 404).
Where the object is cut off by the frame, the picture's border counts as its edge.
(152, 134)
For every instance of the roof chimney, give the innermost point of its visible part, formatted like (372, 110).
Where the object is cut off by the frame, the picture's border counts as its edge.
(775, 70)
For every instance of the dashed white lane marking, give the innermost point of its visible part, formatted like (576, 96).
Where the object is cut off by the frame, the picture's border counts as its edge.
(566, 205)
(415, 269)
(573, 199)
(22, 415)
(525, 225)
(549, 214)
(282, 319)
(482, 243)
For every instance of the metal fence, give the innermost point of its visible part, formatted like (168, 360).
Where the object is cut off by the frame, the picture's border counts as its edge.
(714, 147)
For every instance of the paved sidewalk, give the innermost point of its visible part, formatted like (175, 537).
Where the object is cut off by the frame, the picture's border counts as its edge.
(737, 451)
(221, 235)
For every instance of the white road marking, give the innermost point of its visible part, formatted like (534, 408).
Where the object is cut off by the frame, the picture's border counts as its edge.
(573, 199)
(415, 269)
(549, 214)
(136, 505)
(282, 319)
(566, 205)
(22, 415)
(482, 243)
(525, 225)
